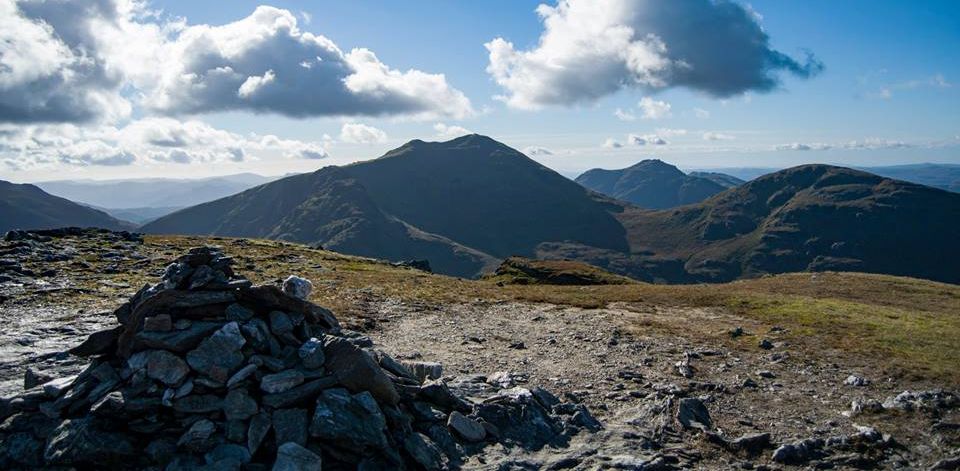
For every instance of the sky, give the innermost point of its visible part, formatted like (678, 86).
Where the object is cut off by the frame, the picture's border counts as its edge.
(105, 89)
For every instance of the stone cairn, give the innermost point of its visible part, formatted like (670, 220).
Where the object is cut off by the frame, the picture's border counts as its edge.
(206, 370)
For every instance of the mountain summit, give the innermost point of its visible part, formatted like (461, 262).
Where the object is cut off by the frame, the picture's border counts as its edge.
(463, 204)
(650, 183)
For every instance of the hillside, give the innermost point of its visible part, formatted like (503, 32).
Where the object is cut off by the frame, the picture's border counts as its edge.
(807, 218)
(461, 204)
(651, 184)
(28, 207)
(868, 361)
(722, 179)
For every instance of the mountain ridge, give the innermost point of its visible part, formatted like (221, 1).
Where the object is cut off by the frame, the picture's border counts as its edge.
(25, 206)
(650, 183)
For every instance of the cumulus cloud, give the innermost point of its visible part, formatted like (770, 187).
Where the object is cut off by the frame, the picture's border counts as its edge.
(357, 133)
(79, 61)
(51, 69)
(446, 132)
(535, 151)
(670, 132)
(149, 140)
(654, 109)
(717, 136)
(645, 140)
(701, 113)
(592, 48)
(266, 63)
(612, 143)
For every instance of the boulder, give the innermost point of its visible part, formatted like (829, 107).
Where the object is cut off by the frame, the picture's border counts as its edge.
(293, 457)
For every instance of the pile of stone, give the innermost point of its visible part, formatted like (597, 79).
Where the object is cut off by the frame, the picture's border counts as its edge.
(207, 370)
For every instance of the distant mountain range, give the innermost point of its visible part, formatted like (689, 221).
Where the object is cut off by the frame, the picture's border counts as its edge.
(654, 184)
(943, 176)
(142, 200)
(468, 203)
(24, 206)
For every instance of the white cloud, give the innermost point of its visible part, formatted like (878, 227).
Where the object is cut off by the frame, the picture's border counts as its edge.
(592, 48)
(145, 141)
(535, 151)
(612, 143)
(446, 132)
(624, 115)
(865, 144)
(646, 139)
(701, 113)
(72, 61)
(717, 136)
(654, 109)
(358, 133)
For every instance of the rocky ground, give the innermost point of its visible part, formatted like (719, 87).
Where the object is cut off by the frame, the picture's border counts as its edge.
(752, 397)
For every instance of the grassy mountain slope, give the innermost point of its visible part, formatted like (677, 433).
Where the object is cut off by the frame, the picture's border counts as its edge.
(651, 184)
(812, 217)
(29, 207)
(722, 179)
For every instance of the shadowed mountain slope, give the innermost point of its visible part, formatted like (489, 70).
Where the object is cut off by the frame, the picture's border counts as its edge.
(651, 184)
(29, 207)
(812, 217)
(462, 204)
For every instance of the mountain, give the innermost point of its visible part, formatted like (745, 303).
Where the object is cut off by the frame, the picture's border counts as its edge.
(807, 218)
(943, 176)
(722, 179)
(138, 216)
(150, 195)
(469, 203)
(28, 207)
(464, 205)
(652, 184)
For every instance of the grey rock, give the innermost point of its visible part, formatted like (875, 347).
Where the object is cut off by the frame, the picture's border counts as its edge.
(259, 426)
(166, 367)
(158, 323)
(161, 450)
(798, 452)
(854, 380)
(293, 457)
(79, 441)
(236, 431)
(352, 421)
(466, 428)
(290, 425)
(544, 397)
(302, 394)
(24, 449)
(280, 382)
(198, 438)
(752, 444)
(357, 371)
(238, 405)
(766, 374)
(218, 356)
(198, 404)
(297, 287)
(282, 326)
(241, 375)
(179, 341)
(311, 354)
(228, 452)
(56, 387)
(424, 370)
(946, 464)
(693, 414)
(766, 344)
(236, 312)
(424, 452)
(97, 343)
(32, 377)
(437, 392)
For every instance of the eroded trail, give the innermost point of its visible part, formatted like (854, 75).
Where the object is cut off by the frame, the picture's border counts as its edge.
(632, 374)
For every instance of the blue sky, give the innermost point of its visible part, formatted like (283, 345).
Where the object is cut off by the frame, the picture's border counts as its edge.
(889, 93)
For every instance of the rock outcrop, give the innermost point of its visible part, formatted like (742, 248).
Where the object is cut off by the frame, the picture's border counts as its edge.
(206, 369)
